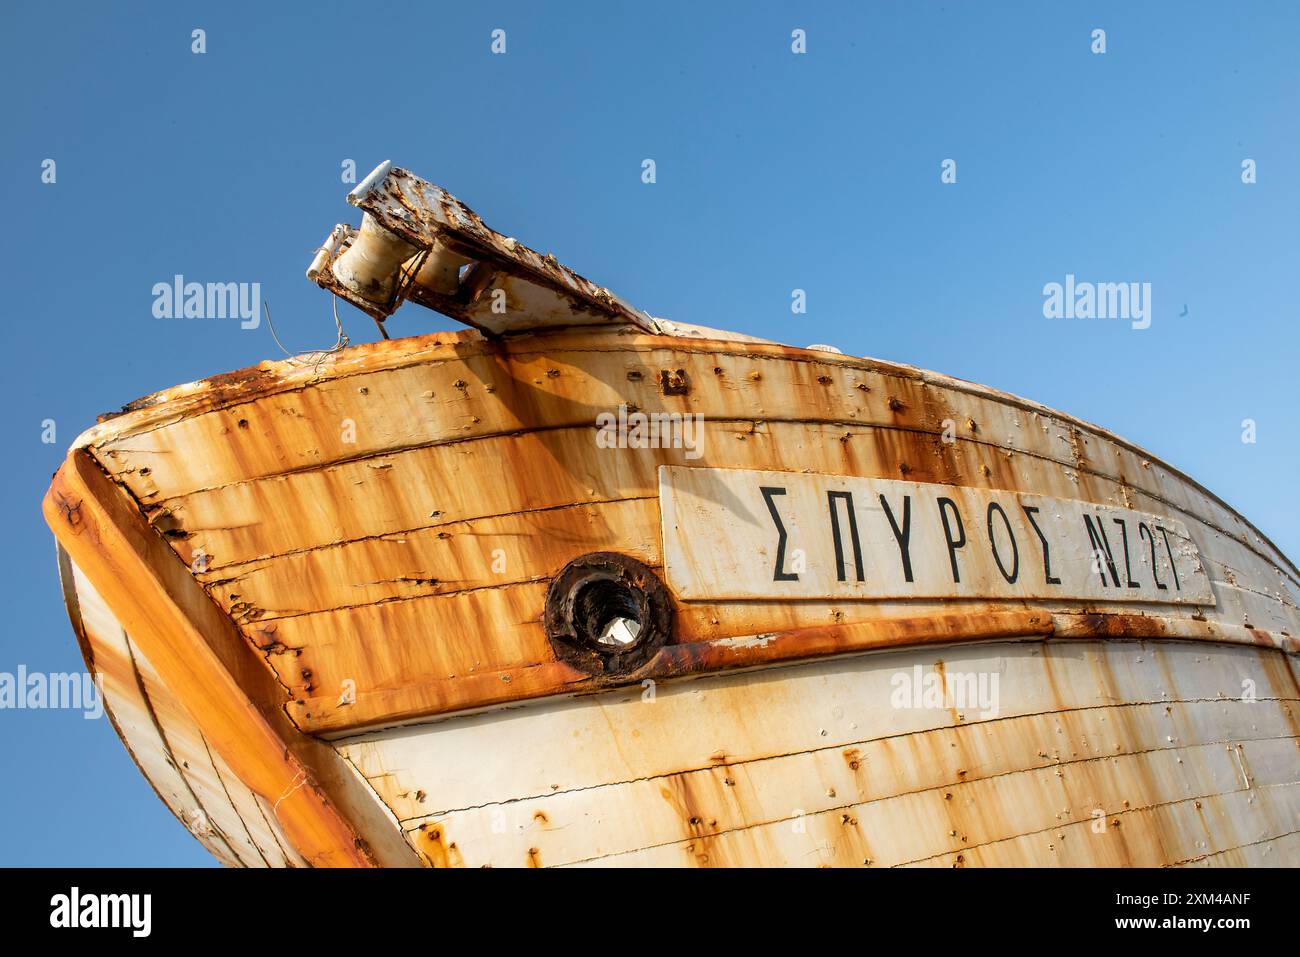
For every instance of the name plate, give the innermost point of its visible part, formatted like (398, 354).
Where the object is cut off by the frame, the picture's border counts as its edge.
(734, 533)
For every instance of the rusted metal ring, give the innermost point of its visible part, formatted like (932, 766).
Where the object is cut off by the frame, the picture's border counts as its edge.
(607, 614)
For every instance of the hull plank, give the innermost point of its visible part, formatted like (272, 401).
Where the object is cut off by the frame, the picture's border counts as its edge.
(168, 747)
(1151, 836)
(1276, 852)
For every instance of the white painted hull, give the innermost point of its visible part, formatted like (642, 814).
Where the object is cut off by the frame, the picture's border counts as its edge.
(1101, 754)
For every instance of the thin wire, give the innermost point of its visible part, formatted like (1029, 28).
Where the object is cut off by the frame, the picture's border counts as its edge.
(405, 279)
(318, 355)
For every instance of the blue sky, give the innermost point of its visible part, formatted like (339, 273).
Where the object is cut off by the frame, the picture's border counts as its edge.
(775, 171)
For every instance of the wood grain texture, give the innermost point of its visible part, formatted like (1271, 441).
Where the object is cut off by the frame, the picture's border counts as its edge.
(165, 743)
(813, 764)
(231, 695)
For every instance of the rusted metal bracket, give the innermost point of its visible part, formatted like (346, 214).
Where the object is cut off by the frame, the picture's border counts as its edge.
(418, 242)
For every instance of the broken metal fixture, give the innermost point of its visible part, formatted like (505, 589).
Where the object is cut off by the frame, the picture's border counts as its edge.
(417, 242)
(607, 614)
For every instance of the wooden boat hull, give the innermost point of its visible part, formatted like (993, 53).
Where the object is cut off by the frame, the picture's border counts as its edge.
(359, 551)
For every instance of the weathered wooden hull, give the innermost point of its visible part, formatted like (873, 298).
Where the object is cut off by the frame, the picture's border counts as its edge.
(359, 548)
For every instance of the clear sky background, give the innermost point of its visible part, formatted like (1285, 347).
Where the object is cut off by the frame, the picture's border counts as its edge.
(775, 171)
